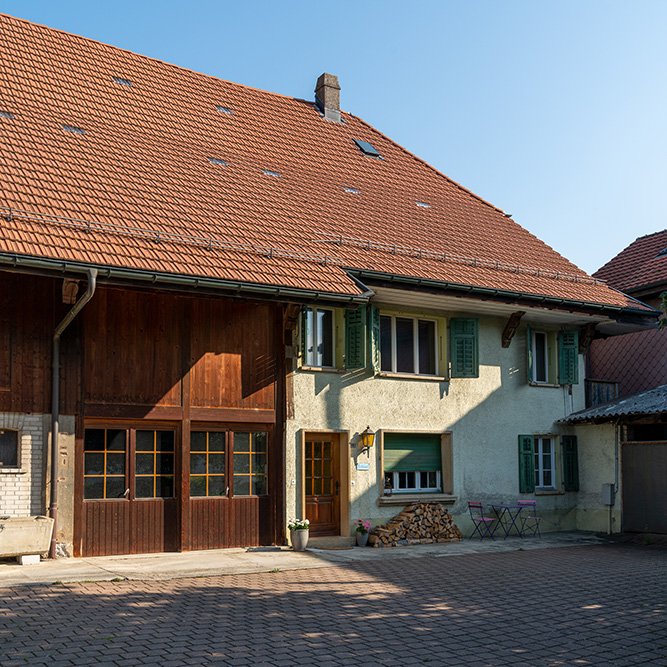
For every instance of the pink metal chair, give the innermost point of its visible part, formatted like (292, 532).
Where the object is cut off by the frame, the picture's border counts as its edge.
(482, 523)
(530, 522)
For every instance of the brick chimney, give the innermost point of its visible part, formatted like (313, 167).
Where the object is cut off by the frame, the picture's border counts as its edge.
(327, 97)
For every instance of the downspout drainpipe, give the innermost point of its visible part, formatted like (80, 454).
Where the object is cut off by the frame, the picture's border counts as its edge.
(55, 394)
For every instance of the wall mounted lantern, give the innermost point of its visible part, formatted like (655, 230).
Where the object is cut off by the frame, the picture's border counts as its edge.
(367, 439)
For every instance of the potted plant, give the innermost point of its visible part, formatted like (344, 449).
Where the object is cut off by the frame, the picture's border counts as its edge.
(298, 533)
(362, 527)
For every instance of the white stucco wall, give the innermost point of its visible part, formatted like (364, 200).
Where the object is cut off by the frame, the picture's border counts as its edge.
(485, 416)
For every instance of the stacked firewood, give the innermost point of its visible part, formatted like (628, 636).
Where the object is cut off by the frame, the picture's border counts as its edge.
(421, 523)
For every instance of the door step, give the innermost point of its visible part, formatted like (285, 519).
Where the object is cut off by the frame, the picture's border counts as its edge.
(330, 542)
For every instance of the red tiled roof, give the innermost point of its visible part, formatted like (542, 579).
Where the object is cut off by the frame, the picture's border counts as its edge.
(638, 265)
(142, 184)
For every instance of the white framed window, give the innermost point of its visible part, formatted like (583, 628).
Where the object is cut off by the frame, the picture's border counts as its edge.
(9, 448)
(540, 357)
(408, 345)
(320, 338)
(414, 481)
(545, 471)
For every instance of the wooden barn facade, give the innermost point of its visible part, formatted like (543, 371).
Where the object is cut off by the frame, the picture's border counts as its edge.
(177, 405)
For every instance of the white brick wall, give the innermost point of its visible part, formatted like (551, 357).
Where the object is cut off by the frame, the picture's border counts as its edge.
(21, 489)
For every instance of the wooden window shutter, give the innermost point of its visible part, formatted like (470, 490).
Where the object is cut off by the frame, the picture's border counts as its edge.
(526, 464)
(568, 357)
(529, 352)
(355, 338)
(374, 336)
(304, 335)
(464, 348)
(570, 462)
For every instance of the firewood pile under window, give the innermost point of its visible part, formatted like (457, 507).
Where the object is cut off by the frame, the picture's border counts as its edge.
(421, 523)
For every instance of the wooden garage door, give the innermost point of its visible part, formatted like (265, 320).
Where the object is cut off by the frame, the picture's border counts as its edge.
(645, 487)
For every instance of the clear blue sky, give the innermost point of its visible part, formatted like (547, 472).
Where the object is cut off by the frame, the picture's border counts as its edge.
(553, 111)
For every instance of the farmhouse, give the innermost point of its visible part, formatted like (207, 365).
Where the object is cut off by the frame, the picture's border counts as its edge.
(223, 307)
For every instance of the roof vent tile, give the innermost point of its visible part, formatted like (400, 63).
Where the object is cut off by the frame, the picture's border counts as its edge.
(268, 172)
(422, 204)
(6, 114)
(123, 82)
(75, 130)
(354, 191)
(367, 148)
(226, 110)
(222, 163)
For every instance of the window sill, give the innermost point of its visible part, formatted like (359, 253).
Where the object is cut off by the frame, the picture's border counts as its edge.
(544, 384)
(12, 471)
(410, 498)
(321, 369)
(549, 492)
(411, 376)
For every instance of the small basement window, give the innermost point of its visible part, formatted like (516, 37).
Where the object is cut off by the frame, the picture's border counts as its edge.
(366, 148)
(75, 130)
(122, 82)
(9, 448)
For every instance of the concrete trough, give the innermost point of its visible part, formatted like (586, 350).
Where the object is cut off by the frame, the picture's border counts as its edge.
(25, 536)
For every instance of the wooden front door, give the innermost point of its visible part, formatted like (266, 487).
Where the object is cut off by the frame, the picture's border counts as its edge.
(129, 491)
(322, 481)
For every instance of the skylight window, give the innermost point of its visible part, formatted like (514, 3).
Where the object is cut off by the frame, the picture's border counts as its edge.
(71, 128)
(422, 204)
(122, 82)
(222, 163)
(366, 148)
(354, 191)
(662, 253)
(6, 114)
(268, 172)
(224, 110)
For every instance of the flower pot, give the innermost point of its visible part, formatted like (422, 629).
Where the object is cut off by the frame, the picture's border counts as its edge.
(299, 539)
(362, 539)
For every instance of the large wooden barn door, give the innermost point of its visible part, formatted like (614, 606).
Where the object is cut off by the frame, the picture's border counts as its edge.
(129, 491)
(230, 495)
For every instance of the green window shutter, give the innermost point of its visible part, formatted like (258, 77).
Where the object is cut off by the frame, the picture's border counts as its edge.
(374, 336)
(464, 348)
(570, 463)
(355, 338)
(405, 452)
(304, 334)
(568, 357)
(526, 464)
(529, 352)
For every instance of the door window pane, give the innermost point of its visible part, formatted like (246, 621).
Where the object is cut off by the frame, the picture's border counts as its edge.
(104, 463)
(154, 464)
(208, 463)
(250, 464)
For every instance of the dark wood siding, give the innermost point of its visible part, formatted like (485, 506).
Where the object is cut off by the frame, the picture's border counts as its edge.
(137, 357)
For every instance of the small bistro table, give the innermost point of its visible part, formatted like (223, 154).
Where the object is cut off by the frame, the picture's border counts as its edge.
(507, 516)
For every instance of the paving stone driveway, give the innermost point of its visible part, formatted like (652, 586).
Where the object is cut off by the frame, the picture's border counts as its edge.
(592, 605)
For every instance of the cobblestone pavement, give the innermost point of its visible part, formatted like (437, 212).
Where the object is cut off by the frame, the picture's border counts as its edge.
(587, 605)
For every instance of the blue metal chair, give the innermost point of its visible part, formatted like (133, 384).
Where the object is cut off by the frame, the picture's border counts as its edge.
(482, 523)
(530, 523)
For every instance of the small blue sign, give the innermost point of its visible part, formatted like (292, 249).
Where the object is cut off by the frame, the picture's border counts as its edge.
(363, 466)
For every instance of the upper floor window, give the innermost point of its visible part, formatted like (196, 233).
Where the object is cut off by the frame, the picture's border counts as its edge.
(553, 357)
(408, 345)
(319, 337)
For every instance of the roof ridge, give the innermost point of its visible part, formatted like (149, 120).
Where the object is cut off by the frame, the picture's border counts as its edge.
(431, 167)
(143, 55)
